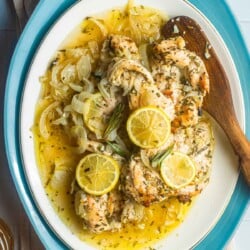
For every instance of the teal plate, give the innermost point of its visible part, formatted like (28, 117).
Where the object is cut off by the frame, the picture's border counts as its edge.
(43, 17)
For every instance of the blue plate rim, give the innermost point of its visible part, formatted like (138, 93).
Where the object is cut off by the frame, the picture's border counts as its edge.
(220, 234)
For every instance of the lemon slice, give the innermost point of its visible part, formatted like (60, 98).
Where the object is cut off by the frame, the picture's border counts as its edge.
(93, 114)
(177, 170)
(97, 174)
(148, 127)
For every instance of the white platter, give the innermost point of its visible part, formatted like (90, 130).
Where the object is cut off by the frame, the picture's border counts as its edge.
(211, 203)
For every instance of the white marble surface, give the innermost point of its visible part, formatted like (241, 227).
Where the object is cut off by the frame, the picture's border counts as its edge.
(241, 10)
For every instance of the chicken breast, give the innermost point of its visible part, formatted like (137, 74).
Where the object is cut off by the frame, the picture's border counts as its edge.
(99, 213)
(181, 75)
(144, 184)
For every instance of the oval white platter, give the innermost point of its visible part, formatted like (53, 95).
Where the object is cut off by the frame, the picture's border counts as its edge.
(209, 206)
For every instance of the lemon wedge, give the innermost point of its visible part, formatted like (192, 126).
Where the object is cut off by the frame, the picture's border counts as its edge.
(148, 127)
(97, 174)
(177, 170)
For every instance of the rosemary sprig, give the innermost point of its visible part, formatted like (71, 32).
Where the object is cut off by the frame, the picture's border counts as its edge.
(158, 158)
(117, 149)
(115, 120)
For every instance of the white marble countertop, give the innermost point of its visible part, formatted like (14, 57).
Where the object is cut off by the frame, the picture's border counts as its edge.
(241, 10)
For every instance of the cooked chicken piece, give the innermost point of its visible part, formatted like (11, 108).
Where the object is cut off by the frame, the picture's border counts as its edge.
(116, 47)
(93, 210)
(144, 184)
(119, 46)
(198, 143)
(137, 82)
(167, 78)
(187, 112)
(150, 95)
(180, 73)
(115, 204)
(124, 47)
(132, 212)
(100, 213)
(128, 74)
(194, 70)
(171, 43)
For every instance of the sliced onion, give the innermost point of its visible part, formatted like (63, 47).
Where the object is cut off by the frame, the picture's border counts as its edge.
(63, 120)
(68, 74)
(144, 55)
(55, 75)
(59, 110)
(60, 91)
(88, 85)
(95, 147)
(112, 135)
(77, 103)
(67, 108)
(77, 118)
(83, 67)
(61, 177)
(75, 52)
(94, 48)
(43, 119)
(100, 26)
(102, 88)
(79, 132)
(84, 95)
(136, 32)
(76, 87)
(97, 124)
(113, 91)
(145, 158)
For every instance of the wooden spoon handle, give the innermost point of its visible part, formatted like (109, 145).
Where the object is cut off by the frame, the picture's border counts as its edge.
(240, 145)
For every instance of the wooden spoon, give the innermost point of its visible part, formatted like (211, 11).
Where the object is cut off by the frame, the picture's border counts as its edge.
(218, 103)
